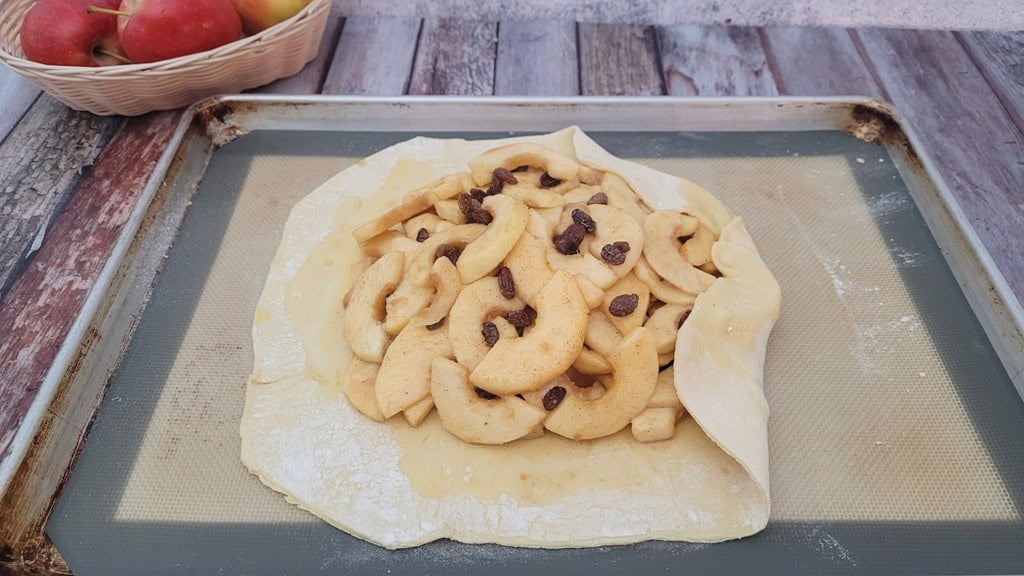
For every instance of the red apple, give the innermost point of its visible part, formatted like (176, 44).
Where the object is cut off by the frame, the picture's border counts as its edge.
(153, 30)
(64, 33)
(258, 15)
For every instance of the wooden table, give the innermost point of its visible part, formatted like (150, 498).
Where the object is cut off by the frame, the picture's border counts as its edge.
(69, 180)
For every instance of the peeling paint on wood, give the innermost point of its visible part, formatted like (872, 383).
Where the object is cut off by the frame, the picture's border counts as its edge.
(46, 299)
(41, 162)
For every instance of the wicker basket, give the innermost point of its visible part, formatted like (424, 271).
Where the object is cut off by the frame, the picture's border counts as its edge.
(277, 52)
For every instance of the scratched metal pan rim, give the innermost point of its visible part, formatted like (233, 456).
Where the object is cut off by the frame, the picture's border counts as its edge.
(706, 138)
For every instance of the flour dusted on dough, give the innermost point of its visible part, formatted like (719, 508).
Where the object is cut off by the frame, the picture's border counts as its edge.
(400, 486)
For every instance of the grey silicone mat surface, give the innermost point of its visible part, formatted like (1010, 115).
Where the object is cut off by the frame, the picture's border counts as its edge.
(897, 438)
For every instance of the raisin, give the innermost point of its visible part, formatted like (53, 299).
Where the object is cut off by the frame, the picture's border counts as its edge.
(478, 194)
(496, 186)
(467, 203)
(448, 251)
(623, 305)
(612, 255)
(599, 198)
(505, 176)
(548, 181)
(436, 325)
(553, 398)
(422, 235)
(490, 333)
(479, 216)
(506, 284)
(583, 219)
(485, 394)
(522, 318)
(621, 245)
(568, 242)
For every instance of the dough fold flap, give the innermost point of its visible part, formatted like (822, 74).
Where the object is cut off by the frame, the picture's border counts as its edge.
(300, 436)
(720, 353)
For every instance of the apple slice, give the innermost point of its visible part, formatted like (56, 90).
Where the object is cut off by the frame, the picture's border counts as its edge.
(471, 417)
(529, 266)
(512, 156)
(404, 375)
(546, 349)
(655, 424)
(627, 286)
(358, 385)
(363, 326)
(418, 412)
(420, 200)
(634, 377)
(664, 326)
(662, 231)
(447, 288)
(483, 255)
(477, 303)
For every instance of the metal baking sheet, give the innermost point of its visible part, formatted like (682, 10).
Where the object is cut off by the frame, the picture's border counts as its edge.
(896, 433)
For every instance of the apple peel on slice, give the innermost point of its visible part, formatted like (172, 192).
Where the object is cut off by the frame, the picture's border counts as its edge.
(546, 349)
(473, 418)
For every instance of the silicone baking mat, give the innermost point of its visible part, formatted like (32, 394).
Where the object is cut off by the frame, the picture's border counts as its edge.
(897, 438)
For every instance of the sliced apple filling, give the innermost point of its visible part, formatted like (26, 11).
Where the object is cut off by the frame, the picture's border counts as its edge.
(530, 293)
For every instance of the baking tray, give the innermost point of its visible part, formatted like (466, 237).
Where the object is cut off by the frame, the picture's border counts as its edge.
(897, 430)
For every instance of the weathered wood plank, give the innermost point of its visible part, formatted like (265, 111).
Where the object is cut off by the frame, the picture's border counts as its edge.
(311, 78)
(714, 61)
(16, 95)
(41, 161)
(818, 62)
(966, 130)
(537, 58)
(42, 305)
(619, 60)
(1001, 60)
(374, 56)
(455, 57)
(938, 14)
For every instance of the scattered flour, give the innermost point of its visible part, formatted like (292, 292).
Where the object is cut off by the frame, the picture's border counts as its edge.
(889, 203)
(827, 545)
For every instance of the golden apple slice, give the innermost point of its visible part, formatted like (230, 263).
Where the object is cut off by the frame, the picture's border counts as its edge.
(388, 241)
(660, 289)
(655, 424)
(420, 200)
(529, 266)
(477, 303)
(513, 156)
(625, 287)
(418, 412)
(697, 250)
(634, 377)
(546, 349)
(358, 385)
(363, 325)
(665, 395)
(664, 326)
(426, 221)
(404, 375)
(602, 336)
(473, 418)
(662, 231)
(447, 287)
(483, 255)
(449, 211)
(616, 225)
(590, 362)
(620, 195)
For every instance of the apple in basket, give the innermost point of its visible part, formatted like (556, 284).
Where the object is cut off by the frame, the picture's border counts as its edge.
(258, 15)
(63, 33)
(154, 30)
